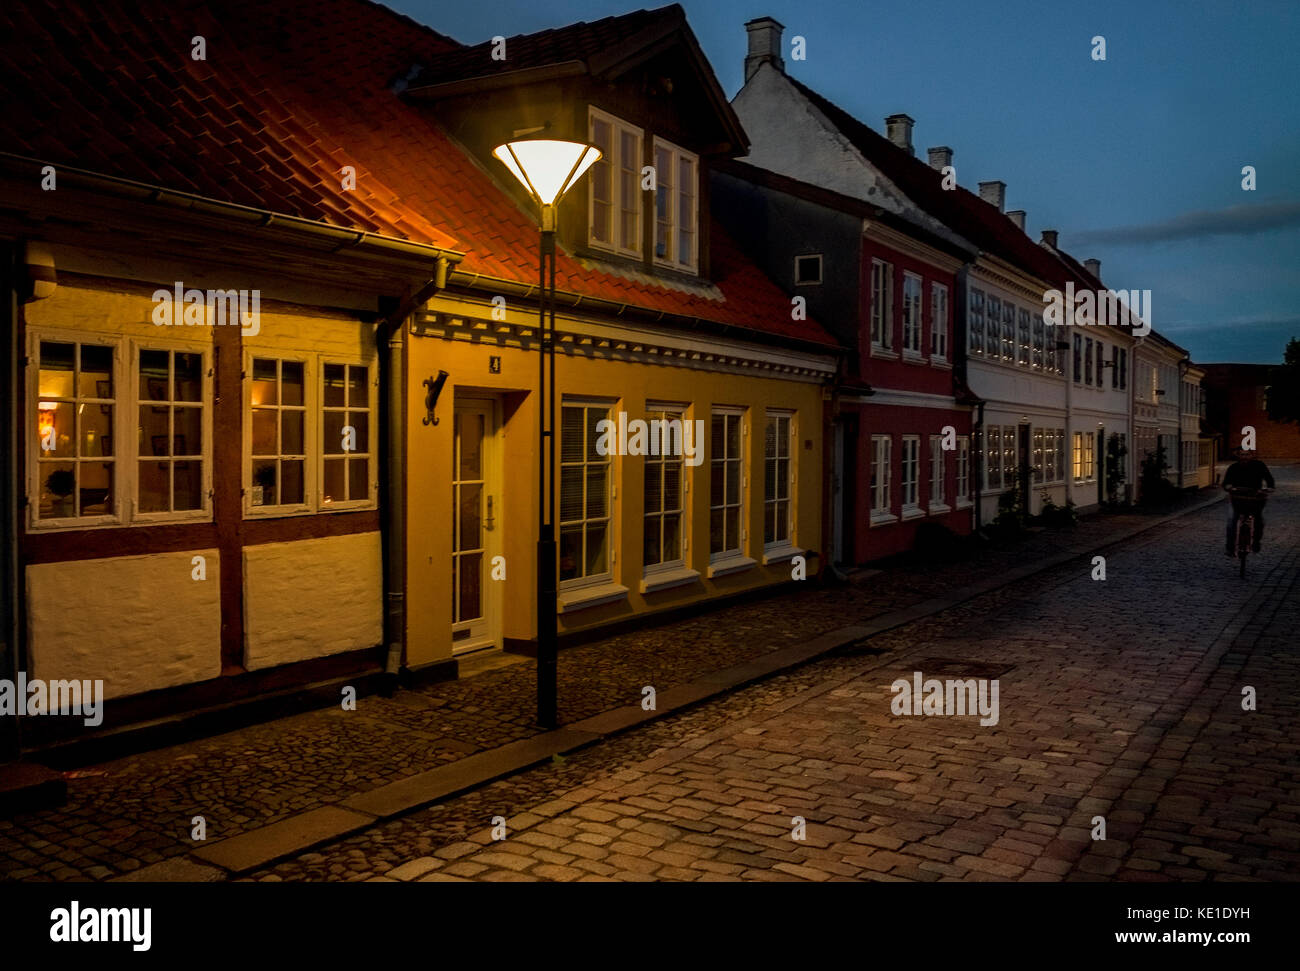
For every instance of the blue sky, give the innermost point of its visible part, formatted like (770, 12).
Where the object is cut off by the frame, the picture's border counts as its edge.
(1136, 160)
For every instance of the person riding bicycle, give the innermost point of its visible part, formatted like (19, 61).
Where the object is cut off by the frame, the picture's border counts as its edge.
(1251, 475)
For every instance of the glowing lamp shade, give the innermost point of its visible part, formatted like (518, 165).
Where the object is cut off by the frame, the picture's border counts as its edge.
(547, 168)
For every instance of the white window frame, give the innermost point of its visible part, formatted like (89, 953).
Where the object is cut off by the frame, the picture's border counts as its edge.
(671, 259)
(938, 477)
(204, 350)
(791, 457)
(680, 412)
(962, 498)
(611, 520)
(736, 552)
(913, 295)
(371, 455)
(911, 443)
(881, 470)
(125, 458)
(938, 323)
(618, 205)
(882, 306)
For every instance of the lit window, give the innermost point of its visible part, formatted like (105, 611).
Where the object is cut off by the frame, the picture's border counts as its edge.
(584, 493)
(170, 467)
(345, 435)
(778, 474)
(1008, 331)
(662, 544)
(616, 196)
(675, 206)
(1025, 344)
(993, 457)
(726, 485)
(1040, 329)
(1040, 472)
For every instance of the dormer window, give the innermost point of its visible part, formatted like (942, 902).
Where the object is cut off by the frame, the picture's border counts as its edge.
(616, 197)
(676, 175)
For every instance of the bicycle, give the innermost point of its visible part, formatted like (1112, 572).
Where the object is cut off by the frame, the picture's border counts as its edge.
(1251, 501)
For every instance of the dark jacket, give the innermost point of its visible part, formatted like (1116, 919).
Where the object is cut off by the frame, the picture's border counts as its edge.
(1248, 474)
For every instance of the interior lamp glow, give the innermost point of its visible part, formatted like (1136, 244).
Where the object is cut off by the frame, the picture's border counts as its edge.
(547, 168)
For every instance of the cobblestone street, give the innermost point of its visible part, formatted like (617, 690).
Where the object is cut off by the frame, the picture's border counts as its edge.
(1119, 698)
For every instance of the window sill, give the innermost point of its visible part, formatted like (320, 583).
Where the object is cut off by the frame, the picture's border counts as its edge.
(882, 518)
(879, 350)
(913, 357)
(731, 564)
(942, 362)
(912, 512)
(939, 508)
(963, 503)
(781, 554)
(677, 576)
(593, 596)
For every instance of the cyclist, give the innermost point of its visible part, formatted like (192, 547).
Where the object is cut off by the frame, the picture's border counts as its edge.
(1247, 473)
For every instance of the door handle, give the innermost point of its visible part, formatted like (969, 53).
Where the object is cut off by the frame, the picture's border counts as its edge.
(487, 523)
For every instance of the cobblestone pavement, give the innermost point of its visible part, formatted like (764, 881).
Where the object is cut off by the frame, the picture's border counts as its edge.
(134, 811)
(1119, 698)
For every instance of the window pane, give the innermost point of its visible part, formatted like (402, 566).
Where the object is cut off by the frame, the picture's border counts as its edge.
(291, 382)
(733, 480)
(357, 380)
(291, 433)
(570, 495)
(57, 429)
(570, 551)
(264, 390)
(96, 429)
(58, 482)
(187, 485)
(360, 421)
(333, 433)
(594, 416)
(291, 488)
(472, 431)
(154, 367)
(264, 431)
(733, 527)
(154, 486)
(597, 541)
(471, 584)
(471, 504)
(55, 378)
(334, 388)
(733, 436)
(571, 445)
(716, 476)
(654, 492)
(334, 487)
(672, 537)
(96, 488)
(651, 552)
(673, 485)
(264, 483)
(358, 479)
(187, 431)
(597, 490)
(96, 380)
(189, 377)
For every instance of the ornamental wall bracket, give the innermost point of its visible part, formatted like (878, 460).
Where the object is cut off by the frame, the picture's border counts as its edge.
(431, 396)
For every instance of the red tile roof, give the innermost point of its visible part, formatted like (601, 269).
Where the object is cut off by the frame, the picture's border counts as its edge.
(291, 92)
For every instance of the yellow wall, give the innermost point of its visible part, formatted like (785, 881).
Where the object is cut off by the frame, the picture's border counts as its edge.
(630, 384)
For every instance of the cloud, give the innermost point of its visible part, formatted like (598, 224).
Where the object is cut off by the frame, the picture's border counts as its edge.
(1244, 220)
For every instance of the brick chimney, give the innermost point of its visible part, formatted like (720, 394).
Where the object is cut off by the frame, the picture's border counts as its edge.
(994, 193)
(764, 45)
(898, 128)
(1093, 267)
(1049, 237)
(1017, 216)
(940, 157)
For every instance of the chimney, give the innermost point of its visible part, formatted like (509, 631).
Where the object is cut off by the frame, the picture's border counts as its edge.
(1017, 216)
(994, 193)
(898, 128)
(1093, 267)
(1049, 237)
(764, 45)
(940, 157)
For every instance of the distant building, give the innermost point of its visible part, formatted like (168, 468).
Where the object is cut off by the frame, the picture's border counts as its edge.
(1236, 396)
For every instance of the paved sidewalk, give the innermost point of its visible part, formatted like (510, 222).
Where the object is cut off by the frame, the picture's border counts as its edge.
(322, 774)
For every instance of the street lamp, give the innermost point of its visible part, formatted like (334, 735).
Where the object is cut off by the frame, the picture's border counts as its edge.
(547, 168)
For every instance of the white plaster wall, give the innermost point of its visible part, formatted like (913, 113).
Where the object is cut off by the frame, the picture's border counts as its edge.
(137, 622)
(311, 598)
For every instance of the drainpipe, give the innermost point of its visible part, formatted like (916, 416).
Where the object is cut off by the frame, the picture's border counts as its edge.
(390, 339)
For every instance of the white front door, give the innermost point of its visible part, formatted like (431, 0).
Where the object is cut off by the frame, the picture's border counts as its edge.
(475, 507)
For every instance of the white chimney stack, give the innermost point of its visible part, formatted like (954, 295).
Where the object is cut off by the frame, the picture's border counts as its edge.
(898, 128)
(994, 193)
(764, 45)
(1017, 216)
(1093, 267)
(940, 157)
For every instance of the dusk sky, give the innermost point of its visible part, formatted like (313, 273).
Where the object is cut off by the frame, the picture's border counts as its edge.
(1137, 160)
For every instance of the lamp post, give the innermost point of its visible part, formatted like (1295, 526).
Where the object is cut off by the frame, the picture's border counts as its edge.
(547, 168)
